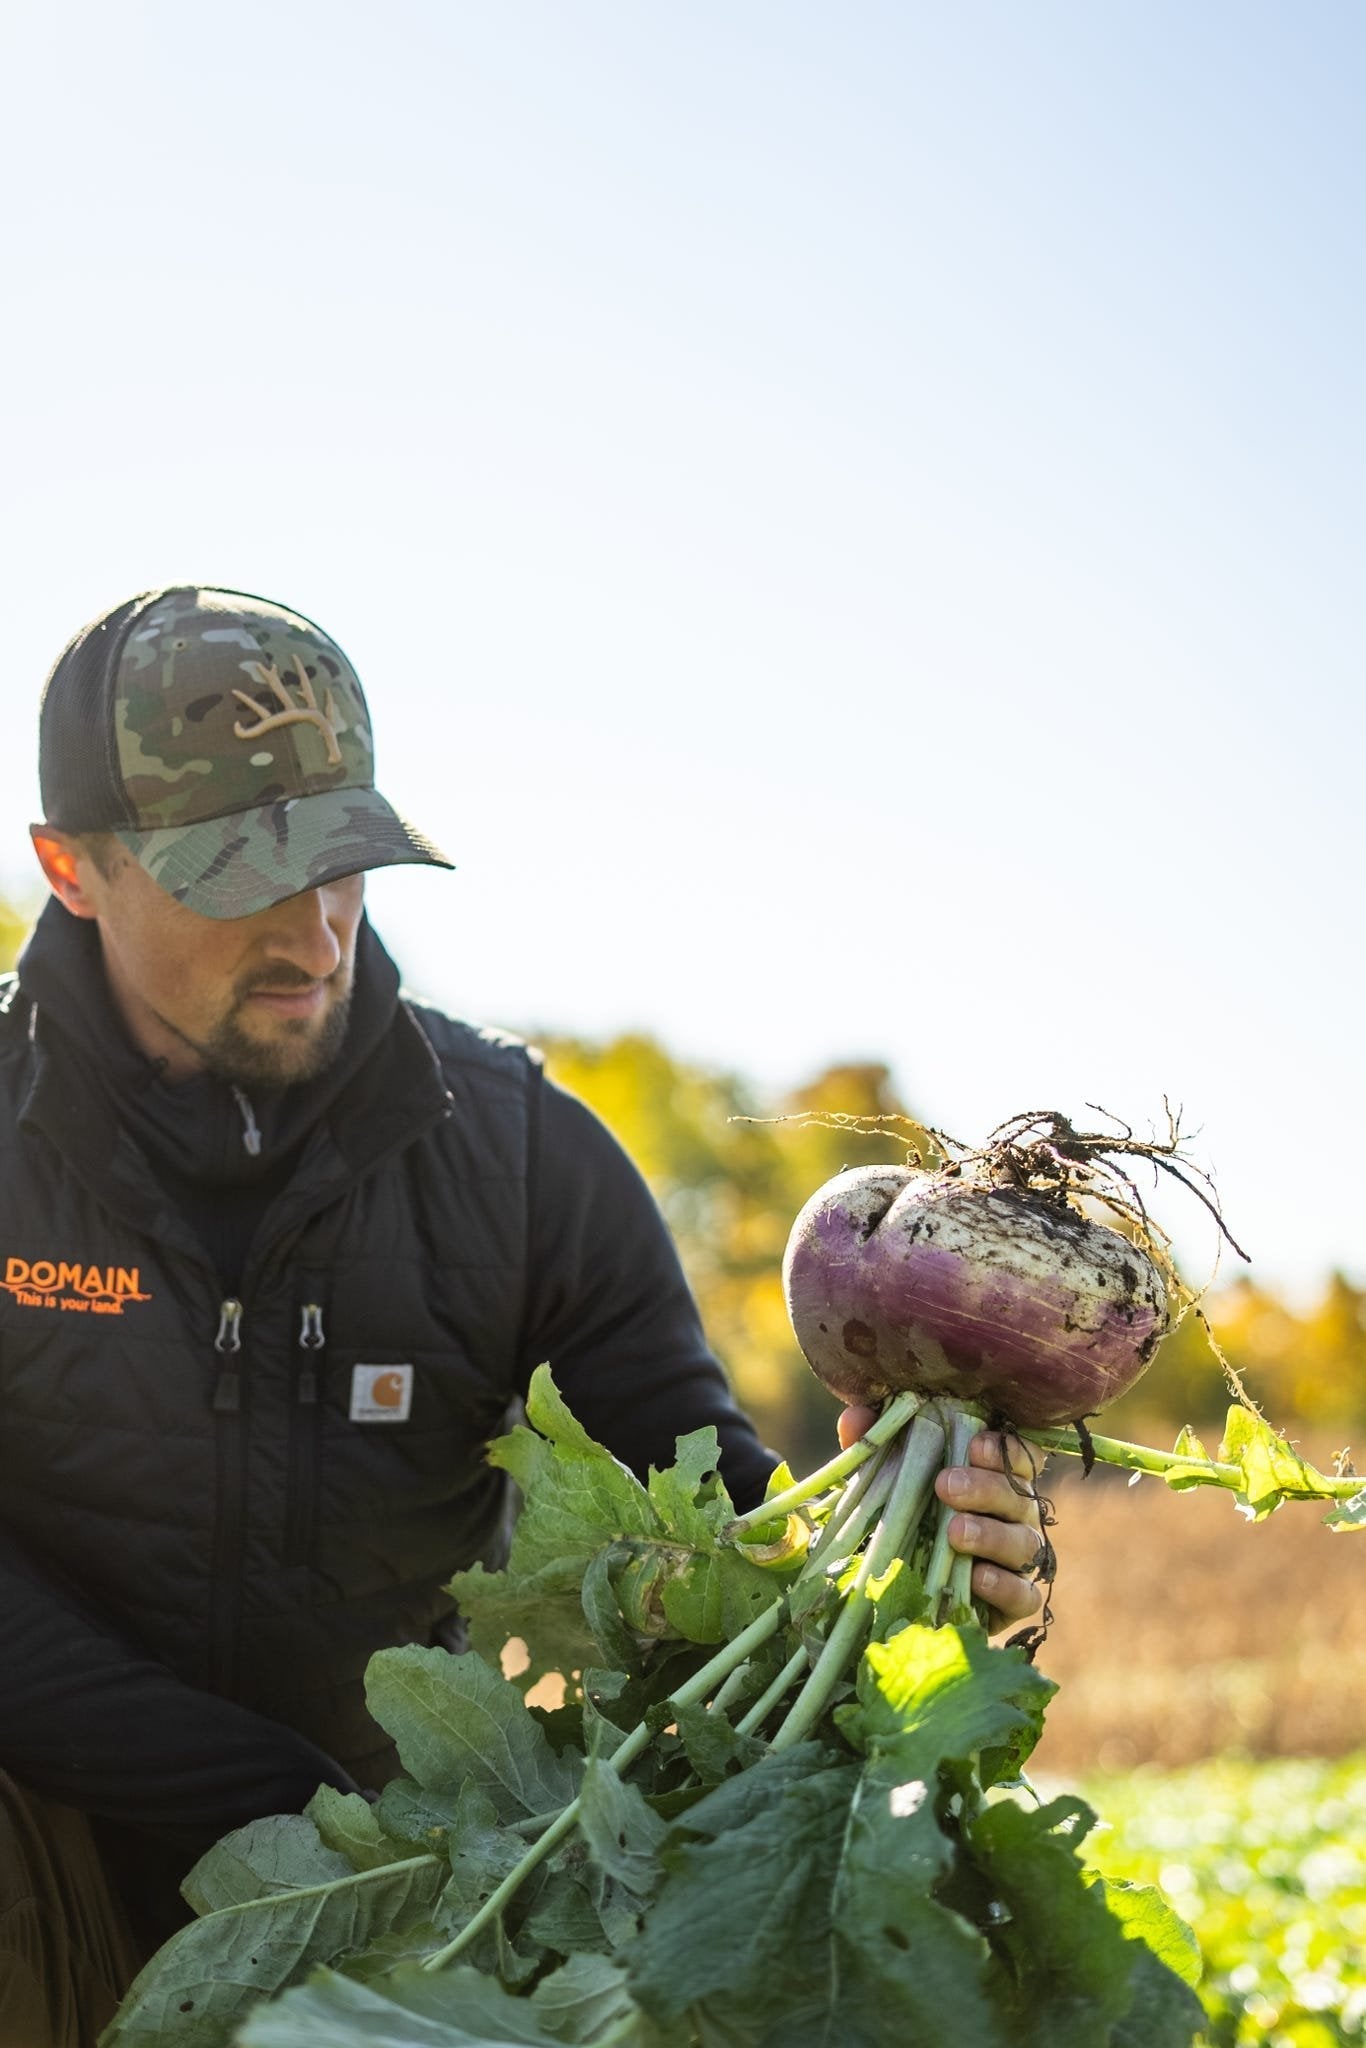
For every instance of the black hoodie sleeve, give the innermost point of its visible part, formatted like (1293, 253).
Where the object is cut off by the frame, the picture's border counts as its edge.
(610, 1311)
(90, 1721)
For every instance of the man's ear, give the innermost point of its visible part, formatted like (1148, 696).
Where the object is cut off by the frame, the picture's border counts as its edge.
(62, 861)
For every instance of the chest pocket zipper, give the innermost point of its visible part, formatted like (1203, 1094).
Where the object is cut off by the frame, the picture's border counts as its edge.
(304, 1425)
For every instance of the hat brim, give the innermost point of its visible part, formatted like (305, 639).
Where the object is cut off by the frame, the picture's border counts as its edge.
(238, 865)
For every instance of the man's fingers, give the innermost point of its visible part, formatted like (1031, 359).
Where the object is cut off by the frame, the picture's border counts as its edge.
(1016, 1545)
(854, 1422)
(988, 1450)
(1010, 1597)
(979, 1490)
(996, 1521)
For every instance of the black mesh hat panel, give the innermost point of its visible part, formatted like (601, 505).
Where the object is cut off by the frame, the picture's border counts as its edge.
(78, 770)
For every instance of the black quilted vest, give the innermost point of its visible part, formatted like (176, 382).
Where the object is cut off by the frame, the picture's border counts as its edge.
(192, 1466)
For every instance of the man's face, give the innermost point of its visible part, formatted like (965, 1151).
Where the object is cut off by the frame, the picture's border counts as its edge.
(260, 1001)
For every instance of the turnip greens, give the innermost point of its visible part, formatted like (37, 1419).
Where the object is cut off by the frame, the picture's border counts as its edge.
(782, 1805)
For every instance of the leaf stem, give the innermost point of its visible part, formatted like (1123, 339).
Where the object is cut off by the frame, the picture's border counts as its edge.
(782, 1684)
(730, 1688)
(688, 1694)
(871, 1474)
(1110, 1450)
(846, 1534)
(963, 1427)
(920, 1461)
(897, 1413)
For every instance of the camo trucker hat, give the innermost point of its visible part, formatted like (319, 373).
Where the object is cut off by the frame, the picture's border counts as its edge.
(225, 741)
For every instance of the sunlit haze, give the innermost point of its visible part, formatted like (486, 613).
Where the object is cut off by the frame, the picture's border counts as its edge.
(850, 519)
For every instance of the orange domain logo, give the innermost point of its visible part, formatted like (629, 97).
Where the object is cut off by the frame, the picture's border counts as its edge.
(71, 1284)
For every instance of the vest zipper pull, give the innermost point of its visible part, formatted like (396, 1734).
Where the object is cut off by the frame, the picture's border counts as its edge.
(311, 1339)
(227, 1393)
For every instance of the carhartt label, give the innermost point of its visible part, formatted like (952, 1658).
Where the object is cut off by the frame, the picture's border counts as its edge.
(381, 1393)
(71, 1284)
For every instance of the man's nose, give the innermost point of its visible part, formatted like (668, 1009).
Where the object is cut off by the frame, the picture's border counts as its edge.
(301, 932)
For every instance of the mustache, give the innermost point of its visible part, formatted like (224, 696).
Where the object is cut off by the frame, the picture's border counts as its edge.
(284, 979)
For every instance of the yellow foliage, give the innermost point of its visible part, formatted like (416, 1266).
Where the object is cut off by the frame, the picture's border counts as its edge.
(729, 1186)
(15, 923)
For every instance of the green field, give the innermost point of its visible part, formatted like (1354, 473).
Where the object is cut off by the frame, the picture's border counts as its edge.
(1267, 1861)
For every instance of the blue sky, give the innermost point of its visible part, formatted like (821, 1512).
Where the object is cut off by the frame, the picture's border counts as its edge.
(850, 520)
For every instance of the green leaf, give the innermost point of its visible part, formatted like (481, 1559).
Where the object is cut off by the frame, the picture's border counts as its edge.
(1273, 1470)
(613, 1645)
(779, 1480)
(749, 1908)
(350, 1825)
(458, 2008)
(410, 1943)
(283, 1853)
(196, 1990)
(583, 2000)
(1163, 2012)
(481, 1852)
(1349, 1514)
(543, 1609)
(713, 1747)
(577, 1495)
(1189, 1445)
(904, 1956)
(689, 1498)
(802, 1918)
(409, 1814)
(620, 1829)
(948, 1687)
(1181, 1478)
(909, 1975)
(1146, 1916)
(456, 1721)
(715, 1599)
(576, 1498)
(1065, 1971)
(565, 1917)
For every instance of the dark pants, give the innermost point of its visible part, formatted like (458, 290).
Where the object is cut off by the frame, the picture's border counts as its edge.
(67, 1954)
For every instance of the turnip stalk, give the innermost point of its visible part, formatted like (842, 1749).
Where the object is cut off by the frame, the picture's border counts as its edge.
(850, 1519)
(756, 1715)
(940, 1575)
(887, 1425)
(1110, 1450)
(730, 1689)
(910, 1495)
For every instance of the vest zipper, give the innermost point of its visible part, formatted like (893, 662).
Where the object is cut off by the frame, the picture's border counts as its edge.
(227, 1392)
(225, 1591)
(304, 1423)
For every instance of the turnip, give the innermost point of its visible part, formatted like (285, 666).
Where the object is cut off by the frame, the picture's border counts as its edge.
(987, 1277)
(1003, 1296)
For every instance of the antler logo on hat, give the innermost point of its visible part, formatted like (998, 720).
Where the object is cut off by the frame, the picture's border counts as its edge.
(306, 713)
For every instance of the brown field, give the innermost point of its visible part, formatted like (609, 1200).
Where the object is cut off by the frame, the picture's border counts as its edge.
(1182, 1630)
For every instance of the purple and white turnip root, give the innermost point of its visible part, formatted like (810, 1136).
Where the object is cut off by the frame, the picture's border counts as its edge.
(1002, 1296)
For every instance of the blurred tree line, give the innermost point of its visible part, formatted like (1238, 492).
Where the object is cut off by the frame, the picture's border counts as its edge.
(730, 1190)
(730, 1174)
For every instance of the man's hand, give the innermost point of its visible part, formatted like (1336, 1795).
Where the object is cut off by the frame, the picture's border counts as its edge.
(993, 1522)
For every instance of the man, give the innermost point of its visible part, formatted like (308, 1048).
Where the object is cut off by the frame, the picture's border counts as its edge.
(279, 1250)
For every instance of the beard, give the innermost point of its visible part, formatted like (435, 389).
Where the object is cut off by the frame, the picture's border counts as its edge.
(300, 1051)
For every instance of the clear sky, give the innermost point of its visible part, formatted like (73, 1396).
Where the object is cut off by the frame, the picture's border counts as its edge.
(850, 518)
